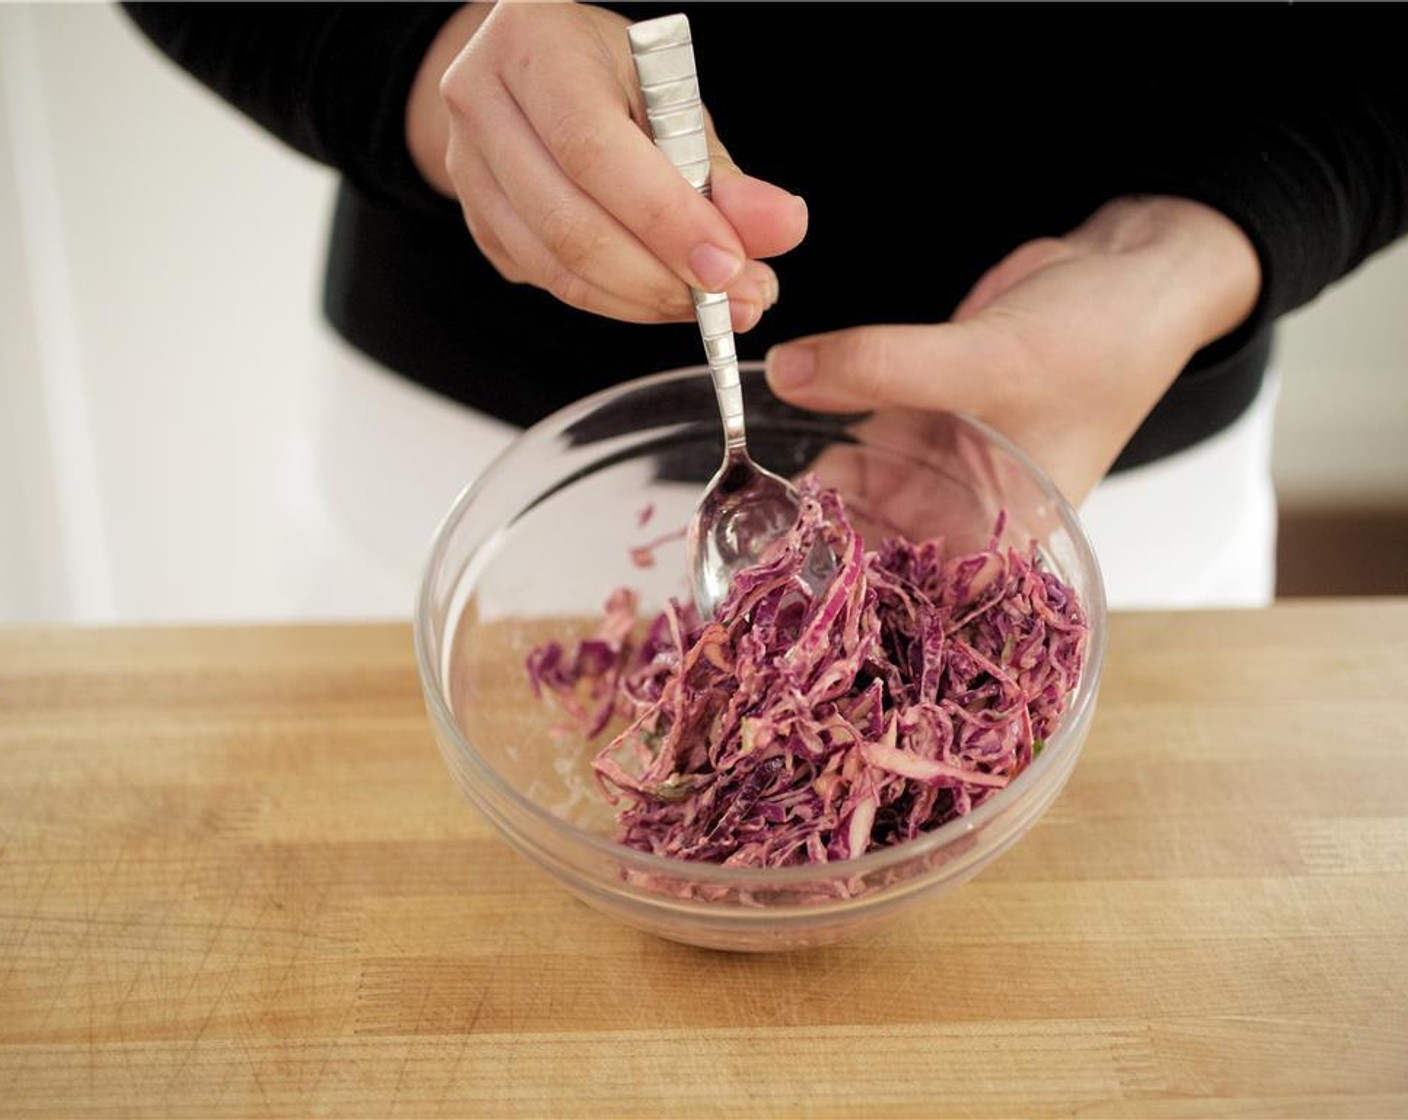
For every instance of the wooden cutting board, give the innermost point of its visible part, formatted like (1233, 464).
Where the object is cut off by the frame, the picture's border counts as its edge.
(235, 879)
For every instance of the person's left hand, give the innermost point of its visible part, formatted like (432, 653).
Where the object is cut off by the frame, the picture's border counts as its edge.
(1064, 346)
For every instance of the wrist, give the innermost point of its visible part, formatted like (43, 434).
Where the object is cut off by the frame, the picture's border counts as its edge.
(1203, 267)
(427, 118)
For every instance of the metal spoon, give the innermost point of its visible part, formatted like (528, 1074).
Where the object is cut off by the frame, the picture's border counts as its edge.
(745, 507)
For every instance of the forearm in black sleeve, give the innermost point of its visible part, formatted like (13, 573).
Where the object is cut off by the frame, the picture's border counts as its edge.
(331, 80)
(1299, 133)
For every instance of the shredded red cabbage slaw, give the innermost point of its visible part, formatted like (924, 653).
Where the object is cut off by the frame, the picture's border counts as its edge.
(806, 727)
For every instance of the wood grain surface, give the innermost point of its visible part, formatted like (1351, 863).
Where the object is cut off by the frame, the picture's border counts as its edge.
(236, 880)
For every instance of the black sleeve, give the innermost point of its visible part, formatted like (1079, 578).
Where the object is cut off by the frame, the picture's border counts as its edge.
(331, 80)
(1298, 131)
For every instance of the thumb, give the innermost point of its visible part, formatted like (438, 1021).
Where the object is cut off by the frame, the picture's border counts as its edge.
(965, 366)
(768, 219)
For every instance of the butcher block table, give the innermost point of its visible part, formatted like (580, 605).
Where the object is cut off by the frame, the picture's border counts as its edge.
(236, 880)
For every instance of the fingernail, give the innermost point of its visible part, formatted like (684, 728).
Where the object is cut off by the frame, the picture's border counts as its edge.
(744, 314)
(790, 367)
(713, 267)
(769, 286)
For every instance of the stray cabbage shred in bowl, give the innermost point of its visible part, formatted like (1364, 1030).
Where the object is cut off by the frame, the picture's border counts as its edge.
(797, 770)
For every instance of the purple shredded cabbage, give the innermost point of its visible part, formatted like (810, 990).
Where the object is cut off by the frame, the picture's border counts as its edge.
(807, 727)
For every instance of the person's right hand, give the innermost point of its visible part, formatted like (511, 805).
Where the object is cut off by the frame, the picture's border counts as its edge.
(530, 115)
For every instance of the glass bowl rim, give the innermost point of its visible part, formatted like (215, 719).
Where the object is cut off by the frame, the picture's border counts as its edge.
(647, 863)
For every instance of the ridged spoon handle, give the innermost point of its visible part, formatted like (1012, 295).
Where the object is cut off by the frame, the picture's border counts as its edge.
(669, 83)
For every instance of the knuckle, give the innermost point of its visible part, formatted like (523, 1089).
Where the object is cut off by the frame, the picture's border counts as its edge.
(1044, 245)
(580, 147)
(864, 358)
(505, 265)
(1044, 251)
(503, 261)
(457, 89)
(493, 251)
(568, 287)
(569, 235)
(451, 91)
(654, 219)
(670, 299)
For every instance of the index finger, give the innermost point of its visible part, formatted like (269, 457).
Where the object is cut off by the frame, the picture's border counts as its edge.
(589, 130)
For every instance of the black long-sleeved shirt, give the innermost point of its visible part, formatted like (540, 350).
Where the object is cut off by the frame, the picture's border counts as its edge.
(928, 140)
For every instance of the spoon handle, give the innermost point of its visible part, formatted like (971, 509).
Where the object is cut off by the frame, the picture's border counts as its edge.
(664, 56)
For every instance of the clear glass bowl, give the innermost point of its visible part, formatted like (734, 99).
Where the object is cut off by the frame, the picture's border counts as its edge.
(534, 547)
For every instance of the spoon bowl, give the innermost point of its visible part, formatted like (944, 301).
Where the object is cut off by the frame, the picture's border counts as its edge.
(744, 509)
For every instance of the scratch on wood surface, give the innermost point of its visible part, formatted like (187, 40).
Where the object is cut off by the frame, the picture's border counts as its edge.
(215, 936)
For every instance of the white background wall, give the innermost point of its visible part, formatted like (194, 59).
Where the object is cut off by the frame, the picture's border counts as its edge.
(159, 267)
(160, 261)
